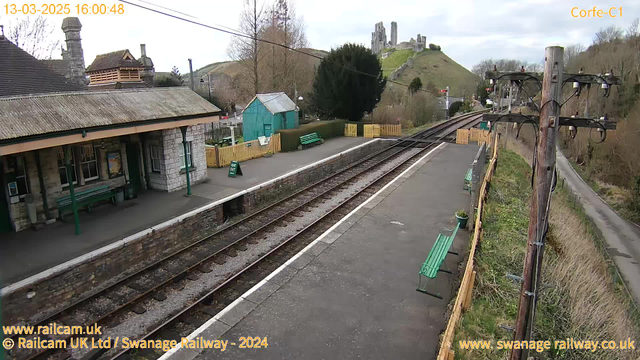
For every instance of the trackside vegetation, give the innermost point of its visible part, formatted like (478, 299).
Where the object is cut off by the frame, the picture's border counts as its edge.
(582, 298)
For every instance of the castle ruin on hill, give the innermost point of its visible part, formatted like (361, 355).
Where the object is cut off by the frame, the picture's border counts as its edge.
(379, 40)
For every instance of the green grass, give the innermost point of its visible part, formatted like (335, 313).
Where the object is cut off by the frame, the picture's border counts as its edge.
(501, 252)
(442, 71)
(394, 60)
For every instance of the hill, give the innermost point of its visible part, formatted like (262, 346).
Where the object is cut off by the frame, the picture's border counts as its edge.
(433, 67)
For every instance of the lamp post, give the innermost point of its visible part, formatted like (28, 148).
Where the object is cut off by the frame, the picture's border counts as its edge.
(208, 85)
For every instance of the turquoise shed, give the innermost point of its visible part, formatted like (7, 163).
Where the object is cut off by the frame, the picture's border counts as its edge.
(268, 113)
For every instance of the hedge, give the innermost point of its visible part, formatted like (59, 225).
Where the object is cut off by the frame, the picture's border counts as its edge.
(290, 138)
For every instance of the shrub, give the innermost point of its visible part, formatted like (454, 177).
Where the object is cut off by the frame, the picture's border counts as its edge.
(290, 138)
(434, 47)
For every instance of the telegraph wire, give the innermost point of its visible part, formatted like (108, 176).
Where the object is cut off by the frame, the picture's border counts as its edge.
(239, 34)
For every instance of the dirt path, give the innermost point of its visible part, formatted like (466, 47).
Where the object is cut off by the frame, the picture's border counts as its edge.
(621, 236)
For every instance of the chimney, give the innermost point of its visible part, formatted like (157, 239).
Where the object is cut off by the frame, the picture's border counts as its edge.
(149, 72)
(74, 55)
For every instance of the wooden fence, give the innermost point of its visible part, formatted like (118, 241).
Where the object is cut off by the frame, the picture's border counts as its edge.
(462, 136)
(463, 298)
(223, 156)
(390, 130)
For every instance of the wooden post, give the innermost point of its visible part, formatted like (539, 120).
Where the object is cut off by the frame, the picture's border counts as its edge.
(70, 172)
(451, 355)
(538, 217)
(467, 299)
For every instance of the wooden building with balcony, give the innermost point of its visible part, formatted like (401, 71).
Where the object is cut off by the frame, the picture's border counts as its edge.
(118, 69)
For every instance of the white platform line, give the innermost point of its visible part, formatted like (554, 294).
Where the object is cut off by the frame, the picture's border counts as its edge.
(275, 272)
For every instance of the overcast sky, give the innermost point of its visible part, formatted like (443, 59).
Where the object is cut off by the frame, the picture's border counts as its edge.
(468, 31)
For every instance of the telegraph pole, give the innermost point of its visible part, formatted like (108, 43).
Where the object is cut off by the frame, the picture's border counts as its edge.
(538, 217)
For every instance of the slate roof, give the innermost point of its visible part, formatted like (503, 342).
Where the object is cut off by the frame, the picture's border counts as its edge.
(24, 116)
(276, 102)
(113, 60)
(21, 73)
(58, 66)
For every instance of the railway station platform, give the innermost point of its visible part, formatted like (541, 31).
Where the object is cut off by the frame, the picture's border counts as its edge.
(29, 252)
(352, 292)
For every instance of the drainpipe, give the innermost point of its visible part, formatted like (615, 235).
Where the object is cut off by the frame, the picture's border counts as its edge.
(74, 205)
(43, 188)
(186, 158)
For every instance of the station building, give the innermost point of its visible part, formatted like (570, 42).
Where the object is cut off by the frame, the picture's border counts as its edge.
(114, 140)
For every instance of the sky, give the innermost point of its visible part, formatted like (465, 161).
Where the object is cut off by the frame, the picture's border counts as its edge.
(467, 31)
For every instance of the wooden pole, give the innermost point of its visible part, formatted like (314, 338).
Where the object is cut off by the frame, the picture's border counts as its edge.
(538, 217)
(70, 172)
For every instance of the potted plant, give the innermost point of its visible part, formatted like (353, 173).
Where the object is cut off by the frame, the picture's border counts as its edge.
(268, 154)
(462, 217)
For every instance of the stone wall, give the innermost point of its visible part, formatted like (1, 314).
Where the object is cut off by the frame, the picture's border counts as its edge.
(172, 146)
(93, 272)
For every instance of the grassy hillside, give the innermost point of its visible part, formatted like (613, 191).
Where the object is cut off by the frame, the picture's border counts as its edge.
(394, 60)
(436, 67)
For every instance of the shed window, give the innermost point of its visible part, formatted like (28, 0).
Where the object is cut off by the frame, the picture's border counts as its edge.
(62, 169)
(189, 156)
(89, 163)
(156, 158)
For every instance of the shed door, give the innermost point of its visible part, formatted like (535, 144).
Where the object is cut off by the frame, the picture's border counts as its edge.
(267, 130)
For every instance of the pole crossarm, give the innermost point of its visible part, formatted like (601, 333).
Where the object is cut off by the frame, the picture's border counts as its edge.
(608, 79)
(564, 120)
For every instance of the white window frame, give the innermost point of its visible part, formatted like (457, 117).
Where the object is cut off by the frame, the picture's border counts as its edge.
(22, 178)
(155, 154)
(87, 162)
(73, 166)
(189, 155)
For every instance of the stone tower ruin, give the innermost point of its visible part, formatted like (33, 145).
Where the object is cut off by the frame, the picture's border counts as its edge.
(394, 33)
(378, 38)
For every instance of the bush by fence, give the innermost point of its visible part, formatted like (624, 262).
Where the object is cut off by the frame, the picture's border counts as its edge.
(326, 129)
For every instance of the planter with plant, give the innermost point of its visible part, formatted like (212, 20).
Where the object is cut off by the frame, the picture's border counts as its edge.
(462, 217)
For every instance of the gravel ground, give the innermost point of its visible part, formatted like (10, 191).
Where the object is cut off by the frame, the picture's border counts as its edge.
(133, 325)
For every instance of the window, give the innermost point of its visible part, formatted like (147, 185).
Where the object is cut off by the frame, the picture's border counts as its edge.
(18, 185)
(62, 169)
(89, 162)
(21, 176)
(156, 158)
(189, 157)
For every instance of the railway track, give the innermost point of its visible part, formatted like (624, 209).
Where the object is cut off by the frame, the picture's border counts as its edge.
(215, 258)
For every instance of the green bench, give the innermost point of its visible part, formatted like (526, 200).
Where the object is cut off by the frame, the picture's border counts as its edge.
(436, 256)
(467, 180)
(309, 139)
(84, 199)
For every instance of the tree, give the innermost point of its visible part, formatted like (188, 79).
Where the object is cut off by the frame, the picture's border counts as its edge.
(34, 36)
(174, 79)
(349, 82)
(610, 34)
(284, 69)
(248, 52)
(416, 85)
(570, 54)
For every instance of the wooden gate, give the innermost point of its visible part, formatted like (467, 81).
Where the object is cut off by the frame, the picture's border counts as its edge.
(351, 130)
(372, 131)
(390, 130)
